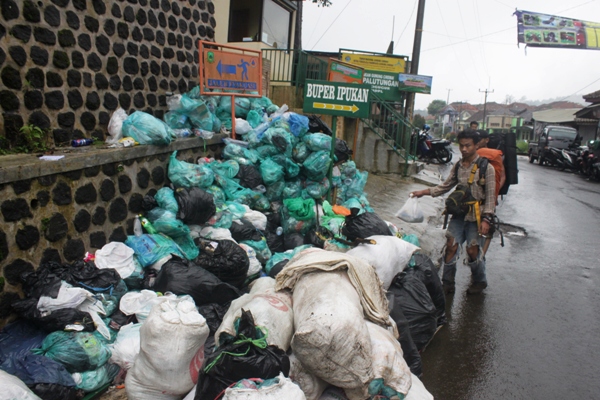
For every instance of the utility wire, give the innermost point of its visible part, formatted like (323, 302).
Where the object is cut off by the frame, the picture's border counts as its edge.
(330, 25)
(475, 65)
(317, 24)
(479, 31)
(467, 40)
(585, 87)
(408, 22)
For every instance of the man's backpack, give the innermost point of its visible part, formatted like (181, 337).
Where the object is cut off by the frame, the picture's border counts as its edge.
(507, 143)
(461, 200)
(495, 158)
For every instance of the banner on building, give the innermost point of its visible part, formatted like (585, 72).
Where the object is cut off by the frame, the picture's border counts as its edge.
(414, 83)
(381, 71)
(543, 30)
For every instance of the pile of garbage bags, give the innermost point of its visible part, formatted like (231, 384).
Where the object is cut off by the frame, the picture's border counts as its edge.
(240, 281)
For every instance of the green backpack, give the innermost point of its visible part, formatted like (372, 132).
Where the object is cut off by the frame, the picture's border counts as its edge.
(461, 200)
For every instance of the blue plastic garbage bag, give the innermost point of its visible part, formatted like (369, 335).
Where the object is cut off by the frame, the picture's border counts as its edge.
(151, 248)
(146, 129)
(16, 342)
(298, 124)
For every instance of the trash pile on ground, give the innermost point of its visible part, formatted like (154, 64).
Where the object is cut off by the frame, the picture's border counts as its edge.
(241, 280)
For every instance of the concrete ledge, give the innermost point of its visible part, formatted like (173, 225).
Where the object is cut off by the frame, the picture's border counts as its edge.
(26, 166)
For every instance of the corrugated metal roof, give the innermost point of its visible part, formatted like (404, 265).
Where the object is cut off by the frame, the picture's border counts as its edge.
(556, 115)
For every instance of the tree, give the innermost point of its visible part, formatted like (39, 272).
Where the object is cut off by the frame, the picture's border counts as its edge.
(509, 99)
(435, 106)
(324, 3)
(418, 120)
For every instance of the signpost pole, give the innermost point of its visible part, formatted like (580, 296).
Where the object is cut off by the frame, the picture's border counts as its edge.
(331, 156)
(233, 117)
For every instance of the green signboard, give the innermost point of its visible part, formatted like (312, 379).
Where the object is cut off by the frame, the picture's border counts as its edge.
(336, 98)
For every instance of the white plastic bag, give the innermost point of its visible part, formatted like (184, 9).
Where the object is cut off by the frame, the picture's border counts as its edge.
(115, 126)
(417, 390)
(12, 388)
(171, 352)
(389, 256)
(411, 212)
(118, 256)
(242, 126)
(258, 219)
(270, 309)
(283, 389)
(255, 266)
(331, 338)
(127, 346)
(312, 386)
(388, 362)
(210, 232)
(68, 297)
(140, 303)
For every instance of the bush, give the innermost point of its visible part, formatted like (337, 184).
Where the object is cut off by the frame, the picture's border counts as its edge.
(451, 136)
(522, 146)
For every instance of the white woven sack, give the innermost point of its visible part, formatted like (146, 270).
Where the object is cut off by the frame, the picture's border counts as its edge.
(285, 389)
(312, 386)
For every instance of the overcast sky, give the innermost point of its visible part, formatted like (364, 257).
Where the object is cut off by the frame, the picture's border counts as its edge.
(468, 45)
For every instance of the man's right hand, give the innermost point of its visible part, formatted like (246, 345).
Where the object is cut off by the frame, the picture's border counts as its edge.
(420, 193)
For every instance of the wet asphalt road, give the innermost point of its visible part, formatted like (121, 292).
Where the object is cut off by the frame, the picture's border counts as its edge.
(535, 332)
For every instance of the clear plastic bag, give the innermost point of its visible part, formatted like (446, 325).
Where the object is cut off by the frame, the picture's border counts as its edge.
(411, 212)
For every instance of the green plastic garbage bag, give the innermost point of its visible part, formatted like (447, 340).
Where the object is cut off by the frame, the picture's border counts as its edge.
(184, 174)
(168, 224)
(229, 186)
(275, 191)
(146, 129)
(254, 118)
(300, 209)
(266, 151)
(224, 117)
(357, 187)
(271, 172)
(176, 120)
(280, 138)
(318, 141)
(317, 190)
(276, 258)
(413, 239)
(317, 165)
(291, 169)
(90, 381)
(229, 168)
(218, 194)
(242, 106)
(300, 152)
(261, 202)
(292, 189)
(241, 155)
(166, 199)
(260, 103)
(263, 253)
(77, 351)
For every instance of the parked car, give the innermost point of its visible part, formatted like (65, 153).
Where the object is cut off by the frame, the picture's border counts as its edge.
(559, 137)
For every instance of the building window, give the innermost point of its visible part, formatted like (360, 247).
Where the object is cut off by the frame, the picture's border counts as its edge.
(266, 21)
(494, 124)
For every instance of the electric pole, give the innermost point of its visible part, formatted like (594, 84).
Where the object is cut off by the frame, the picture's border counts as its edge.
(448, 98)
(486, 91)
(414, 63)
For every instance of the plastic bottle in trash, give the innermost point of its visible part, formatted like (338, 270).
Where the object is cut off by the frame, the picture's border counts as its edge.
(260, 189)
(182, 133)
(147, 225)
(137, 226)
(81, 142)
(279, 231)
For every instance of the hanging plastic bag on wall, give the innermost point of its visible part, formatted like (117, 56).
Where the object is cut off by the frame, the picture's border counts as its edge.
(115, 126)
(411, 212)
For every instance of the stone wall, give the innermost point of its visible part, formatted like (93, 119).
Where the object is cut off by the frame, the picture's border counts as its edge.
(91, 201)
(66, 65)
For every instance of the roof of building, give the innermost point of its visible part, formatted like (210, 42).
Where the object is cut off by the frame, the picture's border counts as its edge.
(592, 97)
(556, 115)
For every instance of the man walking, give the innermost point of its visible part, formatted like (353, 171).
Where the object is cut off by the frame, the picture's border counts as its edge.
(472, 225)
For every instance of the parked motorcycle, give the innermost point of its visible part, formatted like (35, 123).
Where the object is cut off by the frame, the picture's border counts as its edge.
(429, 149)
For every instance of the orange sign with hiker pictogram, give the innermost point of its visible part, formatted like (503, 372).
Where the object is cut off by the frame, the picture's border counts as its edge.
(229, 69)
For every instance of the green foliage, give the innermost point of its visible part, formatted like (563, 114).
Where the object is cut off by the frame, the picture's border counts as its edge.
(522, 146)
(418, 120)
(435, 106)
(34, 138)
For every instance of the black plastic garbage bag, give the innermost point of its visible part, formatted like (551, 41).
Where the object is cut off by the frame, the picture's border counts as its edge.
(149, 203)
(277, 268)
(249, 176)
(196, 206)
(243, 356)
(427, 272)
(58, 320)
(242, 229)
(53, 391)
(274, 241)
(227, 261)
(317, 237)
(16, 342)
(118, 319)
(213, 314)
(316, 124)
(292, 240)
(409, 349)
(181, 276)
(342, 151)
(412, 296)
(364, 225)
(273, 221)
